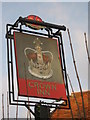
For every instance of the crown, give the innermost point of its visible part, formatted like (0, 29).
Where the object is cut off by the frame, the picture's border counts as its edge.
(39, 61)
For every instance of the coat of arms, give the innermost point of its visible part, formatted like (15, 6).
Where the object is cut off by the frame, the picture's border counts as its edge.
(40, 62)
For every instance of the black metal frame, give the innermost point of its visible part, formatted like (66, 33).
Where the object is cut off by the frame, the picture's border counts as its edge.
(17, 26)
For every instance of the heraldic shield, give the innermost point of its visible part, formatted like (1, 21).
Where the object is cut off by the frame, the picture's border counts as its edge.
(40, 62)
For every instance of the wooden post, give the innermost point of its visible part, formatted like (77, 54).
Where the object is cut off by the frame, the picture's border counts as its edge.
(3, 106)
(87, 48)
(79, 114)
(27, 89)
(27, 115)
(17, 109)
(7, 107)
(76, 73)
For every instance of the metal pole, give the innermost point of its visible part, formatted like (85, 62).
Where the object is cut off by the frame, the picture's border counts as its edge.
(8, 66)
(30, 110)
(77, 73)
(87, 48)
(49, 25)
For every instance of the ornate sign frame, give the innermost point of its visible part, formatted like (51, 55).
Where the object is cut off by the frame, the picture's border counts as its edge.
(20, 26)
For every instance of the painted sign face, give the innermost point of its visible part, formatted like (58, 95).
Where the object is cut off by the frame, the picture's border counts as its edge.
(39, 61)
(38, 66)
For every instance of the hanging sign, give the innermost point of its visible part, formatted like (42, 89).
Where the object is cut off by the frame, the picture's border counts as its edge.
(38, 64)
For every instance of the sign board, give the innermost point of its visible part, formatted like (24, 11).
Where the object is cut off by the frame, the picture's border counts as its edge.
(38, 64)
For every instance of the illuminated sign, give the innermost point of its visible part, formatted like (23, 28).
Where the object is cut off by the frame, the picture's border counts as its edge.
(38, 64)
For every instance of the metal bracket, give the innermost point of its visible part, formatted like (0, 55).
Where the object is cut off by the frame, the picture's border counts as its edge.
(9, 36)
